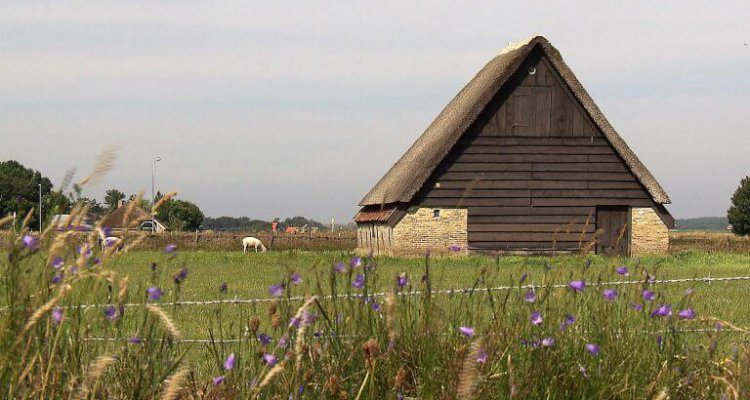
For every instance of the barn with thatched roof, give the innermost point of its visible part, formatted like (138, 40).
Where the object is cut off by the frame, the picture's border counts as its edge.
(521, 159)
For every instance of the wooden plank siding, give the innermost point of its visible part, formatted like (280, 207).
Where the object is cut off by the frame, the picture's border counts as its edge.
(532, 169)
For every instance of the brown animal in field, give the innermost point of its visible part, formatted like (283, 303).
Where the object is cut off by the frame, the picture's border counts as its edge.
(291, 229)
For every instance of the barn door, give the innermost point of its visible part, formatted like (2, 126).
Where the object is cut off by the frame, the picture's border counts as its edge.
(613, 228)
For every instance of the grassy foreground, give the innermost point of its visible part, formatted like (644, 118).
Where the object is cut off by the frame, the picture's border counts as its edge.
(681, 341)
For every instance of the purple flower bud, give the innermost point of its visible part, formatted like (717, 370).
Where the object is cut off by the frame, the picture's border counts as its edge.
(577, 286)
(276, 290)
(622, 270)
(307, 318)
(30, 242)
(687, 314)
(296, 278)
(135, 340)
(648, 295)
(663, 310)
(536, 318)
(340, 268)
(481, 355)
(219, 380)
(659, 340)
(636, 306)
(111, 313)
(355, 262)
(402, 280)
(106, 231)
(181, 276)
(57, 263)
(466, 331)
(593, 349)
(270, 359)
(264, 339)
(229, 362)
(283, 341)
(154, 293)
(530, 296)
(569, 320)
(359, 281)
(548, 342)
(58, 278)
(523, 278)
(454, 248)
(609, 294)
(57, 315)
(375, 307)
(170, 248)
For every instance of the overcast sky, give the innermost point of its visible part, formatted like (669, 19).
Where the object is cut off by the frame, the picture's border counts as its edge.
(282, 108)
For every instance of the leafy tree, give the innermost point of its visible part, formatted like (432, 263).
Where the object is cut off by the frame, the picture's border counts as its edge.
(96, 210)
(112, 198)
(180, 215)
(19, 190)
(739, 213)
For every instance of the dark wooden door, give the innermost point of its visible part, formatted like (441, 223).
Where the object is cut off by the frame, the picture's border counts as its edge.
(613, 231)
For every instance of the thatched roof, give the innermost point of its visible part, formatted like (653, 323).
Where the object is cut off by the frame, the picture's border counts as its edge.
(411, 171)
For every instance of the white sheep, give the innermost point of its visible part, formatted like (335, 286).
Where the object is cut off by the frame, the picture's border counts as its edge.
(249, 241)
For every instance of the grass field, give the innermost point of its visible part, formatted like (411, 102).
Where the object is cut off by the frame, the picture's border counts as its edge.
(250, 276)
(478, 344)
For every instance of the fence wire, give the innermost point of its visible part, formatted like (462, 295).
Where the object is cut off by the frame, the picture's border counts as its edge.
(455, 291)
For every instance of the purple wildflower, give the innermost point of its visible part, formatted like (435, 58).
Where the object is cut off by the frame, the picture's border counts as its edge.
(223, 287)
(648, 295)
(663, 310)
(466, 331)
(30, 242)
(170, 248)
(181, 275)
(74, 270)
(687, 314)
(85, 251)
(229, 362)
(530, 296)
(276, 290)
(402, 280)
(622, 270)
(97, 261)
(570, 319)
(593, 349)
(523, 278)
(454, 248)
(548, 342)
(296, 278)
(609, 294)
(135, 340)
(270, 359)
(359, 281)
(294, 322)
(481, 355)
(154, 293)
(355, 262)
(57, 263)
(111, 313)
(307, 318)
(659, 340)
(536, 318)
(283, 341)
(219, 380)
(106, 231)
(57, 315)
(577, 286)
(58, 278)
(340, 268)
(636, 306)
(375, 307)
(264, 339)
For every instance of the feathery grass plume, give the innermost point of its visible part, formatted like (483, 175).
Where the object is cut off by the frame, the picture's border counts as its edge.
(299, 346)
(47, 307)
(129, 211)
(175, 384)
(96, 369)
(26, 220)
(67, 178)
(162, 200)
(6, 220)
(123, 291)
(270, 375)
(467, 379)
(663, 395)
(104, 163)
(390, 318)
(730, 388)
(165, 320)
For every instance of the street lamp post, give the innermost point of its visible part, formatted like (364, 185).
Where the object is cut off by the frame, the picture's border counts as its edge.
(40, 208)
(153, 195)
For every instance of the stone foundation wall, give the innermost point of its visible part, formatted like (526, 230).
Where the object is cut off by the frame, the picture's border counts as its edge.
(648, 233)
(419, 230)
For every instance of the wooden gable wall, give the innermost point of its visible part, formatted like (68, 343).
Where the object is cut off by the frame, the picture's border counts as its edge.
(532, 168)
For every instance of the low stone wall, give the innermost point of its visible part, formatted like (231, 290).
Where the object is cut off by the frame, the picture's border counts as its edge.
(344, 240)
(648, 232)
(419, 230)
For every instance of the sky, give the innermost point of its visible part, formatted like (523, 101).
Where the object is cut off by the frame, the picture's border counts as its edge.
(267, 109)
